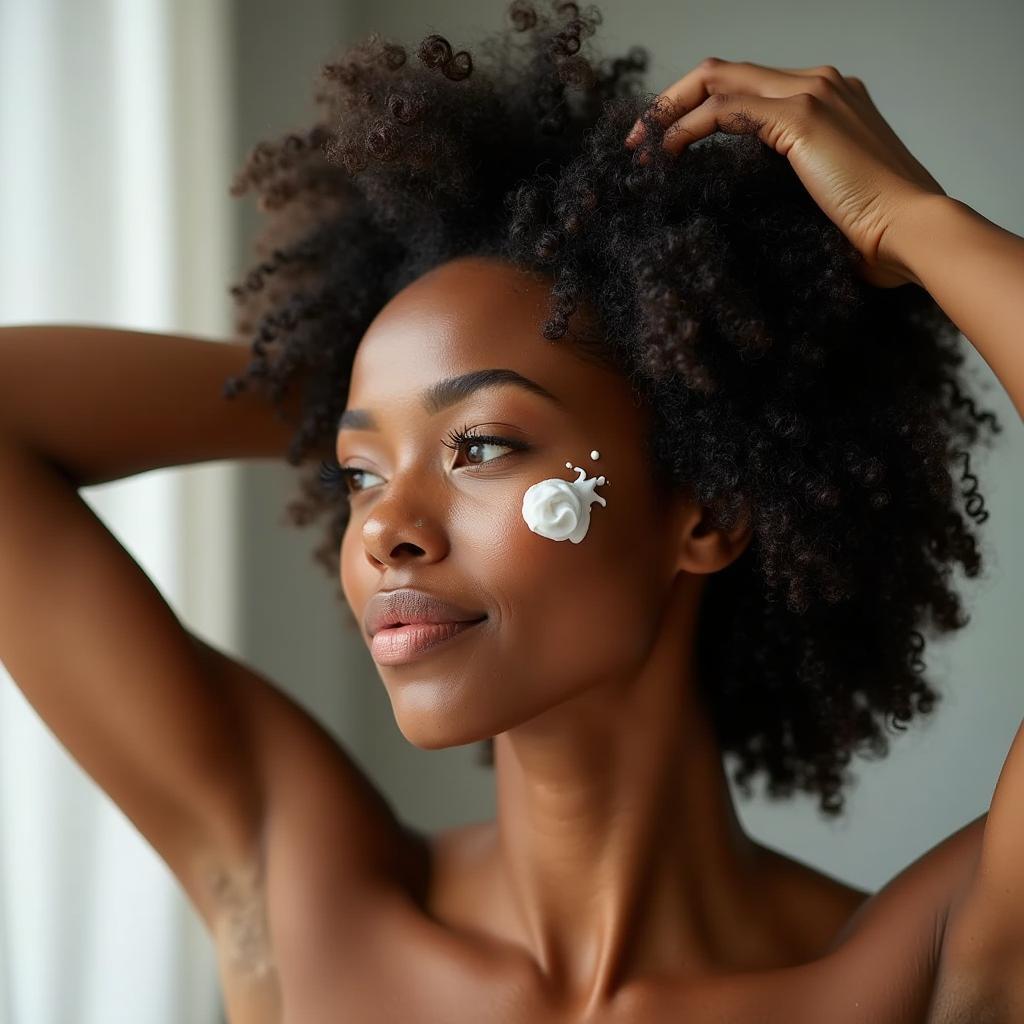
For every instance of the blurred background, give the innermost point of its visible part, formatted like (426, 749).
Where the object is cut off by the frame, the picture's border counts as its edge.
(121, 125)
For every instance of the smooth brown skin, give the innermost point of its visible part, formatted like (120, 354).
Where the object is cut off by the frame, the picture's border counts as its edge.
(321, 906)
(616, 852)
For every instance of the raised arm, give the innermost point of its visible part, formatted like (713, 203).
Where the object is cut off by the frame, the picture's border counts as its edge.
(104, 403)
(194, 747)
(974, 269)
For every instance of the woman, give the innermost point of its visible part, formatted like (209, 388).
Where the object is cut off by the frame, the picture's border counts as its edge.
(635, 452)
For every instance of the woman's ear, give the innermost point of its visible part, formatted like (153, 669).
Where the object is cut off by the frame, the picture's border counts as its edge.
(702, 547)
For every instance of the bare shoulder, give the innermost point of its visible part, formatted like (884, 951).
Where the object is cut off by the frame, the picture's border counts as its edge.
(981, 971)
(921, 893)
(885, 961)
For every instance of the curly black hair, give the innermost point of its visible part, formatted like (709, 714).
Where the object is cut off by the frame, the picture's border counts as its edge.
(783, 386)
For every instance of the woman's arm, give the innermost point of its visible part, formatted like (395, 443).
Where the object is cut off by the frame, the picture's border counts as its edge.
(103, 403)
(197, 749)
(870, 186)
(974, 270)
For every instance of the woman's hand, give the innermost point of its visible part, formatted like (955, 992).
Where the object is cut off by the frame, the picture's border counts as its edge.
(851, 162)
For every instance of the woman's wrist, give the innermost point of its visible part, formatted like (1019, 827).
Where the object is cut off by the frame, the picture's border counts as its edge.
(908, 239)
(974, 269)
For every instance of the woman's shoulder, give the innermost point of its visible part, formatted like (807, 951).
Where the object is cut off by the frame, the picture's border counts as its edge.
(916, 901)
(886, 959)
(861, 957)
(816, 906)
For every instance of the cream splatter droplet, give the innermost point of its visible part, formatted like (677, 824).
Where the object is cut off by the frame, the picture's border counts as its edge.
(560, 509)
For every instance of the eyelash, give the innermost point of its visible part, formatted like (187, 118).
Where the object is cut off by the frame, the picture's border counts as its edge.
(335, 478)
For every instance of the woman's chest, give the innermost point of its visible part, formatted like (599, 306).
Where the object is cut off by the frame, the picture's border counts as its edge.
(401, 986)
(371, 963)
(300, 947)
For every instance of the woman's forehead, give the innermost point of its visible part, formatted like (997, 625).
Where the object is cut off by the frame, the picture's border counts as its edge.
(473, 313)
(474, 296)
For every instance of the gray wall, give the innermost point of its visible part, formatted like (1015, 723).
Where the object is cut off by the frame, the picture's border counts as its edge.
(949, 78)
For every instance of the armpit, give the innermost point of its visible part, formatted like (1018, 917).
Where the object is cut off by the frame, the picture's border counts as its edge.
(961, 997)
(980, 976)
(241, 931)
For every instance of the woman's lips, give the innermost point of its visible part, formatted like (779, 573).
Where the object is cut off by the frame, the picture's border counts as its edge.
(404, 643)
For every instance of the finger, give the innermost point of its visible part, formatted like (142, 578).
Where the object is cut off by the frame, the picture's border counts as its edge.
(779, 120)
(714, 76)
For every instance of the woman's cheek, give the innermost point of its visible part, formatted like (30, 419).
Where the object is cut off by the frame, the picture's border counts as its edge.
(554, 547)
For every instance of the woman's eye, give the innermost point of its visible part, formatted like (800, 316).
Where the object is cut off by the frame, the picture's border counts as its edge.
(352, 478)
(476, 445)
(349, 479)
(335, 478)
(476, 450)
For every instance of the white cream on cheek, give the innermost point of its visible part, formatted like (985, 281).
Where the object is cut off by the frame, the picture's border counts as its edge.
(560, 509)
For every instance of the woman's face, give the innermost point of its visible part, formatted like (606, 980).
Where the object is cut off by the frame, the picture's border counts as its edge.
(561, 616)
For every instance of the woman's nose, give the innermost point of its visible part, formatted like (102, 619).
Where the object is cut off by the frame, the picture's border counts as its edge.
(391, 535)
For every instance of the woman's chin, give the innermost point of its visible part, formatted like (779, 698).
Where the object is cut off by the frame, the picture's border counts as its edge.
(431, 732)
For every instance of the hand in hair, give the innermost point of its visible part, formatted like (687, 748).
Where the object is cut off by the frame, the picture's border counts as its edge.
(851, 162)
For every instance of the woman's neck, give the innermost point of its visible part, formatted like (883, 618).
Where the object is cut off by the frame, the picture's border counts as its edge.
(617, 841)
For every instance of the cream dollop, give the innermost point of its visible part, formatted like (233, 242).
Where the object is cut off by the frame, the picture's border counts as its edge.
(560, 509)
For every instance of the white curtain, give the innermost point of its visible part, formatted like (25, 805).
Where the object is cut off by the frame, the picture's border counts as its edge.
(114, 168)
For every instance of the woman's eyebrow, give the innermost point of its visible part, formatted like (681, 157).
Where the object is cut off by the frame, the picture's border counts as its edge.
(444, 393)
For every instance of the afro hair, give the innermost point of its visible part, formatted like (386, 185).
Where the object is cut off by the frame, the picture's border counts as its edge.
(783, 386)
